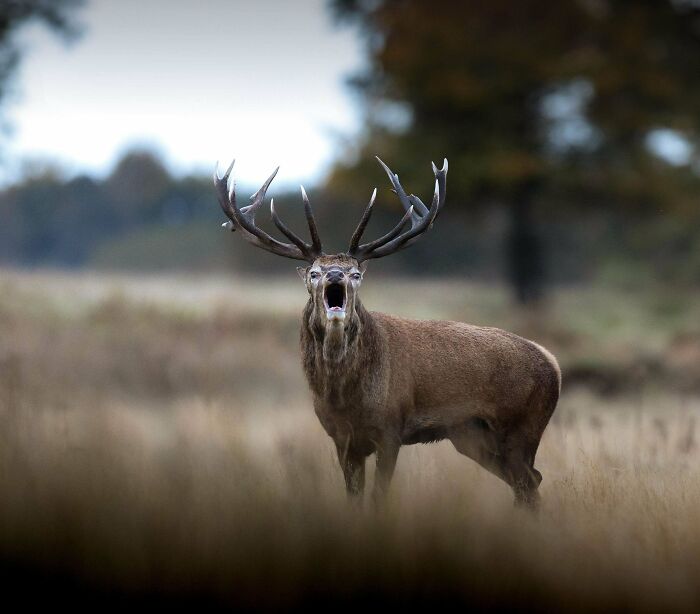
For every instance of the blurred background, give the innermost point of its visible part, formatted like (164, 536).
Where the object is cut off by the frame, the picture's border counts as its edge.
(571, 131)
(156, 430)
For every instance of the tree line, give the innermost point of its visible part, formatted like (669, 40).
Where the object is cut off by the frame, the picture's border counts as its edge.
(142, 217)
(581, 105)
(571, 128)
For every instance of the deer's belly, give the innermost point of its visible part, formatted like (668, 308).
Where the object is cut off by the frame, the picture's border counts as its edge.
(436, 418)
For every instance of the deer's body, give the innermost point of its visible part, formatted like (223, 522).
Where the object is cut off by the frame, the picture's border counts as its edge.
(381, 381)
(396, 381)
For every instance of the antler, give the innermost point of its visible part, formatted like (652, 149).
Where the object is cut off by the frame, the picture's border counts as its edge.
(421, 218)
(243, 219)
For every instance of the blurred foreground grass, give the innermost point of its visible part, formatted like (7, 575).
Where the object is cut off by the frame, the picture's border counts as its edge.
(157, 441)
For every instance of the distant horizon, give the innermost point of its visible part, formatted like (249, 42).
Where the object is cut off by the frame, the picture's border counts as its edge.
(261, 83)
(33, 169)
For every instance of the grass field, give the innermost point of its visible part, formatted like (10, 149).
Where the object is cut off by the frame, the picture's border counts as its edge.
(157, 441)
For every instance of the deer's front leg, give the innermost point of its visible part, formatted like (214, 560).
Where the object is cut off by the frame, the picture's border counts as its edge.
(353, 465)
(387, 453)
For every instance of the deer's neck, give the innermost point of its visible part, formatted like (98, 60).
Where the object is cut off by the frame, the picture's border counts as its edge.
(337, 358)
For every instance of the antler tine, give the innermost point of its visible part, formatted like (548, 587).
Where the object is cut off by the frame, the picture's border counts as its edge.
(404, 239)
(394, 232)
(221, 184)
(257, 199)
(262, 239)
(364, 220)
(397, 238)
(284, 229)
(311, 222)
(400, 192)
(441, 176)
(411, 235)
(244, 219)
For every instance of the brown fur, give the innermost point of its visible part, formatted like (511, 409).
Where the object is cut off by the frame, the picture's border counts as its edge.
(381, 381)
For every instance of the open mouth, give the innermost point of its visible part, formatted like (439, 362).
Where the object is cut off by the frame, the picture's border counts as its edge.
(334, 300)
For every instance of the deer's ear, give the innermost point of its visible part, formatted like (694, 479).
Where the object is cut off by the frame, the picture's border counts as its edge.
(363, 266)
(302, 271)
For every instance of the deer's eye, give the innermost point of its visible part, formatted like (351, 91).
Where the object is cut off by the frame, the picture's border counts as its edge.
(315, 275)
(356, 276)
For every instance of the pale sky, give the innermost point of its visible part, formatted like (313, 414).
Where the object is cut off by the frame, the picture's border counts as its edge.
(198, 80)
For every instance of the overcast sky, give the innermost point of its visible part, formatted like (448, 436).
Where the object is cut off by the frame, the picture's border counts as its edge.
(198, 80)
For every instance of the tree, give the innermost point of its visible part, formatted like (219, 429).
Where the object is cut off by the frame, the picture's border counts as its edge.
(58, 15)
(138, 187)
(536, 104)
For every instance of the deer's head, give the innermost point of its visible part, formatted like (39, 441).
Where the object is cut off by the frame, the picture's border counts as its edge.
(333, 281)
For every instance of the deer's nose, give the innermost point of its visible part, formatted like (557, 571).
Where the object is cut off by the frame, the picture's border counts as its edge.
(334, 276)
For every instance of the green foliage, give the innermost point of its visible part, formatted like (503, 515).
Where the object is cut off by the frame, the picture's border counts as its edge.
(543, 105)
(139, 217)
(46, 220)
(58, 15)
(487, 83)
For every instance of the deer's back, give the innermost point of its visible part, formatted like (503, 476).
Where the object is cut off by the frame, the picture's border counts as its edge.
(445, 368)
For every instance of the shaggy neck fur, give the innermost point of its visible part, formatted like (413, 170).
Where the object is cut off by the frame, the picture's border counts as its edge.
(337, 355)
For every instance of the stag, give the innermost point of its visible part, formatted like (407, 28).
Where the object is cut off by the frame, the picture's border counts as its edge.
(381, 381)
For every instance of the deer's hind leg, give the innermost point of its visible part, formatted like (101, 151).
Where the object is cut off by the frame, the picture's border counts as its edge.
(518, 464)
(478, 441)
(507, 457)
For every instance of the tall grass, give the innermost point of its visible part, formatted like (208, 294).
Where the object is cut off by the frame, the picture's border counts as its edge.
(157, 442)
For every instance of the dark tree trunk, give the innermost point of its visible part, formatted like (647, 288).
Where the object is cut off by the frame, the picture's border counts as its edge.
(524, 250)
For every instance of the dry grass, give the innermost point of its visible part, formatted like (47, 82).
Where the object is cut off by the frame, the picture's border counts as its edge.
(156, 440)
